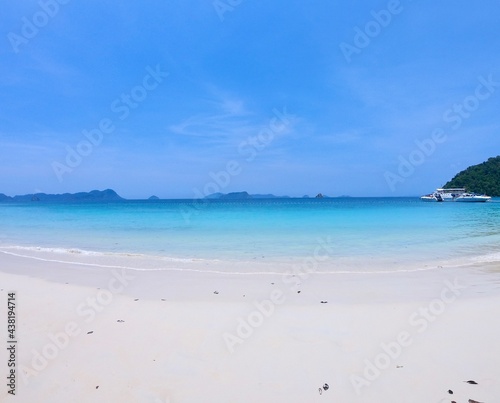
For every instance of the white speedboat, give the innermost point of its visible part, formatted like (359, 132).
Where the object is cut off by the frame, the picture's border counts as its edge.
(472, 197)
(454, 194)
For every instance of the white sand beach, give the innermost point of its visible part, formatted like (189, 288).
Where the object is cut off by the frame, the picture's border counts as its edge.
(106, 334)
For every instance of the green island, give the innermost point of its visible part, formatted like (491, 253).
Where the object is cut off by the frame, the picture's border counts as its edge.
(482, 178)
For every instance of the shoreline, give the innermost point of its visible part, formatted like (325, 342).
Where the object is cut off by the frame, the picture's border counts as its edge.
(84, 269)
(324, 263)
(189, 336)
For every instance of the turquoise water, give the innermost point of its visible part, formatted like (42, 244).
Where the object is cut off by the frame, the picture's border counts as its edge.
(356, 229)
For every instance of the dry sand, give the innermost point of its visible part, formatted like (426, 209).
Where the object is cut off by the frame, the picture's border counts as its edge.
(92, 334)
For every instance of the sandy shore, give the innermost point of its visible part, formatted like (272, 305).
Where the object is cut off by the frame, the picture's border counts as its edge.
(106, 334)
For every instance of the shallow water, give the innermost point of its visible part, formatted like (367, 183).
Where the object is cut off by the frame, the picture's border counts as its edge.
(343, 232)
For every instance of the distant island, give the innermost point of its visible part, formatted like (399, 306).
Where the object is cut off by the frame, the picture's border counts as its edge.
(242, 196)
(483, 178)
(246, 195)
(93, 196)
(109, 195)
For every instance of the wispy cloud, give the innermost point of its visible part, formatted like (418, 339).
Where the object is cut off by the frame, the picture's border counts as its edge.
(226, 122)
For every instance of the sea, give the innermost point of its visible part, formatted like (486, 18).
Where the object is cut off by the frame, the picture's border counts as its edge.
(340, 234)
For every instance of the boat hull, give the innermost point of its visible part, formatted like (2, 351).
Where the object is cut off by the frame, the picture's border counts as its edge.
(476, 199)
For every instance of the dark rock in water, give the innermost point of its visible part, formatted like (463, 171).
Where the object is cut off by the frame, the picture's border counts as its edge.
(450, 391)
(120, 321)
(319, 196)
(474, 401)
(324, 302)
(90, 332)
(471, 382)
(216, 292)
(326, 387)
(97, 387)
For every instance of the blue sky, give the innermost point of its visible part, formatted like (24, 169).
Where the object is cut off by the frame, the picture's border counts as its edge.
(278, 97)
